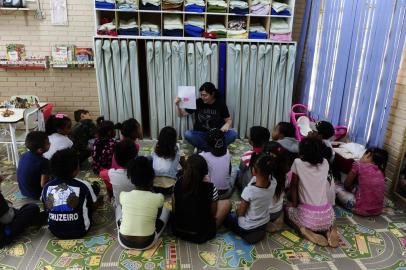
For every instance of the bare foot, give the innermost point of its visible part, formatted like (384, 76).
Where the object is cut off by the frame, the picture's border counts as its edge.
(316, 238)
(332, 237)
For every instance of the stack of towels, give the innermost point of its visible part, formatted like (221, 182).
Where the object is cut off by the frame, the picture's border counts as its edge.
(257, 31)
(106, 4)
(216, 30)
(173, 25)
(128, 28)
(150, 29)
(195, 6)
(127, 4)
(172, 4)
(237, 28)
(194, 26)
(217, 6)
(150, 4)
(238, 7)
(260, 7)
(280, 9)
(107, 27)
(280, 30)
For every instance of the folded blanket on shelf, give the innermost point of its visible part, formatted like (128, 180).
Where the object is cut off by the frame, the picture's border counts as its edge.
(173, 32)
(105, 5)
(237, 24)
(149, 6)
(216, 9)
(279, 7)
(149, 27)
(195, 21)
(150, 33)
(173, 22)
(131, 23)
(238, 4)
(166, 5)
(127, 4)
(279, 26)
(256, 27)
(215, 34)
(257, 35)
(108, 27)
(238, 10)
(241, 34)
(282, 13)
(195, 8)
(216, 27)
(281, 37)
(217, 6)
(193, 31)
(129, 32)
(260, 9)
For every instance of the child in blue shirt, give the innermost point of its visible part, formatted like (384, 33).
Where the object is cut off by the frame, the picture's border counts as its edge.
(33, 168)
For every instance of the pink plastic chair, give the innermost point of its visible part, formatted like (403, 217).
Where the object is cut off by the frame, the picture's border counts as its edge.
(299, 110)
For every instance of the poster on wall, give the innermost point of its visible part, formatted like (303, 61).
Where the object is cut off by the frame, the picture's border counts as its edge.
(59, 12)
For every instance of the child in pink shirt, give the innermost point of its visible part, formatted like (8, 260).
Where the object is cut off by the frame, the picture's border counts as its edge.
(310, 210)
(364, 188)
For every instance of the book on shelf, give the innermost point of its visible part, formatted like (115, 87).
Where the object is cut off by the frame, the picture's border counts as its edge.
(15, 52)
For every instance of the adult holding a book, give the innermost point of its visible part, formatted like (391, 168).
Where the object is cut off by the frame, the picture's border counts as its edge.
(211, 112)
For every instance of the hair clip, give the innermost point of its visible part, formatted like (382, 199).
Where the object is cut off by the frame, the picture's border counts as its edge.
(219, 143)
(60, 115)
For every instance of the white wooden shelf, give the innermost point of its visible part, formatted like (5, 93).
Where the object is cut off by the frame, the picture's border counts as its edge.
(157, 17)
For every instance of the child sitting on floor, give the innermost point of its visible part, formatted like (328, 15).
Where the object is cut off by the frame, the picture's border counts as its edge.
(258, 136)
(58, 128)
(14, 221)
(284, 134)
(219, 163)
(252, 216)
(143, 216)
(197, 212)
(69, 201)
(280, 169)
(116, 180)
(103, 147)
(368, 179)
(83, 134)
(165, 158)
(33, 168)
(326, 131)
(311, 210)
(130, 129)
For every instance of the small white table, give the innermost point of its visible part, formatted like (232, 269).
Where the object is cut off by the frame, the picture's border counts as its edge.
(12, 121)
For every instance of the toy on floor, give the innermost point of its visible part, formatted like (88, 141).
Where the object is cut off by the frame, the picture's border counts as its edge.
(299, 116)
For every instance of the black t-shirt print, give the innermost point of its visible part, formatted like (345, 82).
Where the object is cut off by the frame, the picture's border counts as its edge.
(208, 116)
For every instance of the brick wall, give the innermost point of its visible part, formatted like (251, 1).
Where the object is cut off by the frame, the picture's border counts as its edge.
(66, 89)
(397, 123)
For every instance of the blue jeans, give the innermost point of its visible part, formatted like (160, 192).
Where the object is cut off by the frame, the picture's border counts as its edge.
(198, 138)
